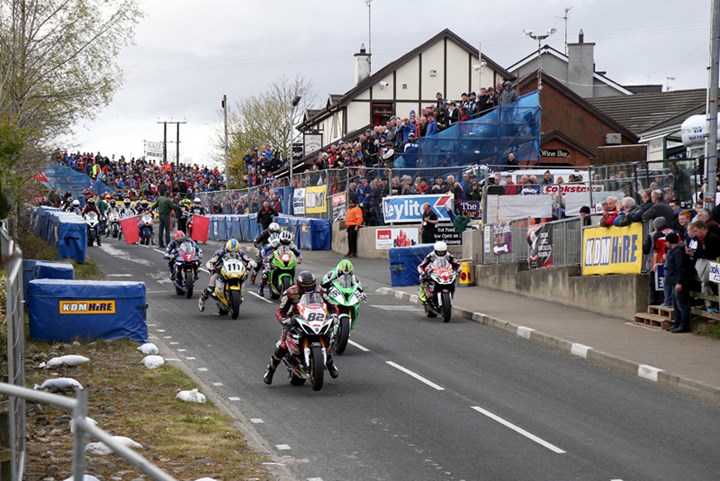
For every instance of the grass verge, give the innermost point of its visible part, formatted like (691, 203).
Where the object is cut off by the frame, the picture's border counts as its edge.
(35, 247)
(187, 440)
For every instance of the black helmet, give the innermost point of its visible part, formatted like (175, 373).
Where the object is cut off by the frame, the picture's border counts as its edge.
(306, 281)
(112, 202)
(91, 200)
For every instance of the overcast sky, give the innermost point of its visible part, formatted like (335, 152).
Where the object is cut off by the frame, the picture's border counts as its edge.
(187, 53)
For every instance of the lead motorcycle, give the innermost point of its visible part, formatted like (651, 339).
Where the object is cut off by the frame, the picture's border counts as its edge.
(93, 228)
(439, 287)
(146, 229)
(185, 269)
(308, 340)
(113, 226)
(346, 294)
(229, 284)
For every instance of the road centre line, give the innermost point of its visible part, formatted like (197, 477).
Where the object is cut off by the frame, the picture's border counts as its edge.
(518, 430)
(362, 348)
(259, 296)
(415, 375)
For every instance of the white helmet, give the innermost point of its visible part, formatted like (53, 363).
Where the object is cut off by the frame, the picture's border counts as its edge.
(76, 203)
(274, 228)
(274, 242)
(440, 248)
(285, 237)
(197, 200)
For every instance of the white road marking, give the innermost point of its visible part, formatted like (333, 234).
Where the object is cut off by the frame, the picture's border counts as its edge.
(234, 398)
(159, 250)
(119, 275)
(161, 330)
(314, 479)
(648, 372)
(382, 291)
(283, 447)
(152, 325)
(258, 296)
(172, 359)
(415, 375)
(362, 348)
(174, 343)
(616, 480)
(257, 421)
(580, 350)
(518, 430)
(203, 369)
(167, 337)
(525, 332)
(189, 358)
(204, 270)
(217, 384)
(181, 350)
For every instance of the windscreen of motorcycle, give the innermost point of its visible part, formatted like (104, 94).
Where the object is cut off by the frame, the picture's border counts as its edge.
(232, 268)
(313, 311)
(187, 251)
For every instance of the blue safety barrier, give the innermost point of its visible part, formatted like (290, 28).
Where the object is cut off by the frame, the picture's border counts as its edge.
(310, 234)
(49, 270)
(66, 232)
(404, 262)
(64, 310)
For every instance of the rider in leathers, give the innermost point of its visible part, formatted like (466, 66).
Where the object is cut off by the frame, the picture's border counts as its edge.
(439, 252)
(260, 242)
(215, 264)
(304, 283)
(172, 247)
(284, 239)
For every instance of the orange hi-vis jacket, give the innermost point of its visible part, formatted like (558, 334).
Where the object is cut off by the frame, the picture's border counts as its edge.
(354, 217)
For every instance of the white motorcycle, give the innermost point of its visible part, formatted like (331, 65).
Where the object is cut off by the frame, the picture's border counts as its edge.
(146, 229)
(113, 226)
(93, 228)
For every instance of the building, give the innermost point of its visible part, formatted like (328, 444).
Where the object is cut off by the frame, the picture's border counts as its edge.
(445, 63)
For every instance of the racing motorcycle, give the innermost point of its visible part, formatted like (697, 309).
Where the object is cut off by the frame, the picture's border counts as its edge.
(282, 271)
(185, 268)
(113, 226)
(308, 339)
(346, 295)
(228, 287)
(93, 228)
(146, 229)
(439, 289)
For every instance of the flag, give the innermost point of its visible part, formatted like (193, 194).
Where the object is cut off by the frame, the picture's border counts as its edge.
(130, 230)
(200, 228)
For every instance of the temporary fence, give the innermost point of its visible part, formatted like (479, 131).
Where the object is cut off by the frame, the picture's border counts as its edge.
(15, 342)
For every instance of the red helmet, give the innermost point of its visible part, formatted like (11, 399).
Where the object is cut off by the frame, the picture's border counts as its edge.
(179, 236)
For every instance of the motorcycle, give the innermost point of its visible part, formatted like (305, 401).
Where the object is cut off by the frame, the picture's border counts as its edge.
(439, 289)
(93, 227)
(282, 271)
(184, 269)
(146, 229)
(229, 285)
(308, 339)
(113, 227)
(346, 295)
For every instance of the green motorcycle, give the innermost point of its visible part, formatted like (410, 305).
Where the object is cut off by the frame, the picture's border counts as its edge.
(282, 271)
(346, 294)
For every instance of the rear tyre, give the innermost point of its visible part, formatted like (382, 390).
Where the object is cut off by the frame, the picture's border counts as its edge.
(446, 306)
(343, 334)
(235, 304)
(317, 368)
(189, 284)
(296, 380)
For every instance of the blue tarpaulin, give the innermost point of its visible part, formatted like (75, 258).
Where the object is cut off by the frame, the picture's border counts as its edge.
(66, 232)
(404, 262)
(63, 310)
(29, 272)
(66, 179)
(310, 234)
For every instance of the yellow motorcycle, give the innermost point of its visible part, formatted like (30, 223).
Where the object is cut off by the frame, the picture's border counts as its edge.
(229, 285)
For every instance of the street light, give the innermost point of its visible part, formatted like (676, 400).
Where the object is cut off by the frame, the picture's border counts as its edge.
(295, 103)
(539, 38)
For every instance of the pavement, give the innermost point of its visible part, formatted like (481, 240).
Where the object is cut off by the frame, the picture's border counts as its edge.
(684, 362)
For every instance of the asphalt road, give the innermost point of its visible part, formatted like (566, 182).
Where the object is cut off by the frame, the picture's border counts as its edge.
(421, 400)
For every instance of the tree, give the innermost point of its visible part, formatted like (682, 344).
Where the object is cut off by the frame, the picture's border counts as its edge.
(58, 65)
(263, 120)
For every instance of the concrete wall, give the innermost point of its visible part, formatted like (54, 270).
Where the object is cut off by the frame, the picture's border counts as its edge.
(615, 295)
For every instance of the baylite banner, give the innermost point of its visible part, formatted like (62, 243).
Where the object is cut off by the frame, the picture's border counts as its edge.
(408, 208)
(540, 242)
(612, 250)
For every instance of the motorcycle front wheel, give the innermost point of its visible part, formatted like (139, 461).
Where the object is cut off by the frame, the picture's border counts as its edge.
(343, 334)
(189, 283)
(235, 304)
(317, 368)
(446, 306)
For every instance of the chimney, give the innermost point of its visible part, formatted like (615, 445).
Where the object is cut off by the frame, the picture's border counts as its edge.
(362, 65)
(581, 66)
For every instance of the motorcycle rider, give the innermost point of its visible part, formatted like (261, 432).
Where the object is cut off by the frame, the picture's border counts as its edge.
(142, 208)
(304, 283)
(171, 250)
(344, 268)
(284, 239)
(74, 207)
(182, 214)
(91, 207)
(215, 264)
(126, 209)
(195, 209)
(439, 252)
(261, 241)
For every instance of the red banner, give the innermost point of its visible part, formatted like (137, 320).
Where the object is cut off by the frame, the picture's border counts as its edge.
(130, 230)
(200, 228)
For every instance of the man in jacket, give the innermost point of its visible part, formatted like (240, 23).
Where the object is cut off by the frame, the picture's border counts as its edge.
(266, 215)
(678, 273)
(353, 222)
(659, 208)
(164, 206)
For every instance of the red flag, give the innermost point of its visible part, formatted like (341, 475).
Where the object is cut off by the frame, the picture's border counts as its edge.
(130, 230)
(41, 177)
(200, 228)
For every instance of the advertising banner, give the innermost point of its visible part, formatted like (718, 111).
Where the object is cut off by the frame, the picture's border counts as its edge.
(502, 238)
(338, 202)
(612, 250)
(471, 209)
(540, 240)
(388, 238)
(315, 199)
(448, 234)
(660, 277)
(508, 207)
(714, 272)
(408, 208)
(299, 202)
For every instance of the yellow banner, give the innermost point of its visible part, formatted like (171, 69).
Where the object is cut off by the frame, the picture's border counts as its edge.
(87, 307)
(315, 199)
(612, 250)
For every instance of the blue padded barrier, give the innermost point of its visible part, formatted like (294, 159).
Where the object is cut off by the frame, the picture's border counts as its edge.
(404, 262)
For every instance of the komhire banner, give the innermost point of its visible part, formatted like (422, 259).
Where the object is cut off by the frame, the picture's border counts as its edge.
(612, 250)
(408, 208)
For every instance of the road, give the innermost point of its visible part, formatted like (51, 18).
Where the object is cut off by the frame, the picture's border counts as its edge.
(421, 400)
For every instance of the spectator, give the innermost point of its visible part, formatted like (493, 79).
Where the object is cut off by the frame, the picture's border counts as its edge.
(678, 276)
(512, 163)
(704, 215)
(659, 208)
(474, 193)
(637, 213)
(610, 213)
(428, 225)
(266, 215)
(704, 247)
(528, 188)
(585, 215)
(624, 216)
(508, 95)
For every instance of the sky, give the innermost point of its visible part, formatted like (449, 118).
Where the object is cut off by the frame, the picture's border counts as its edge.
(188, 53)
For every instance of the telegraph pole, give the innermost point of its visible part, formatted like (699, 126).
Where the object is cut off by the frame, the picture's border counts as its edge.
(711, 147)
(227, 166)
(177, 151)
